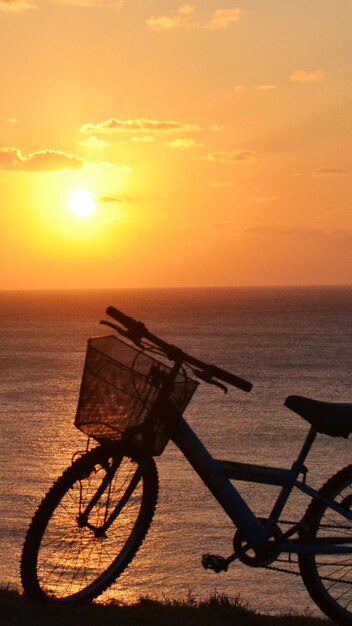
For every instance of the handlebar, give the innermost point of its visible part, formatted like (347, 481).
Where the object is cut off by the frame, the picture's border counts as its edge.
(137, 331)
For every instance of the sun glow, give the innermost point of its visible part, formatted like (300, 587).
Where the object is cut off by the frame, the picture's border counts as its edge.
(82, 203)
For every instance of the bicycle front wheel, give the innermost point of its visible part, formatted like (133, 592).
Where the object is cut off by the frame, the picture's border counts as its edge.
(328, 577)
(89, 526)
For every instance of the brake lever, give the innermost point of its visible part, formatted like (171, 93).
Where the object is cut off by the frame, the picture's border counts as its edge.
(208, 379)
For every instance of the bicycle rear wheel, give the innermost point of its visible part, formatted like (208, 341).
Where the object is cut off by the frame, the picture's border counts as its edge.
(328, 578)
(89, 526)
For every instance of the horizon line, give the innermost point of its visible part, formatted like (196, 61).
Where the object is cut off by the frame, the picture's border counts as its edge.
(168, 288)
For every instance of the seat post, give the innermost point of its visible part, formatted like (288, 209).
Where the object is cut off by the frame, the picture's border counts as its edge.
(297, 465)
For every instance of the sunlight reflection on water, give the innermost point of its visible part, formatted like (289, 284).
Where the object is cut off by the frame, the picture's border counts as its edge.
(296, 342)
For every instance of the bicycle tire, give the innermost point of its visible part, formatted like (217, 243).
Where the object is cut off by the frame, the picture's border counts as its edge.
(328, 578)
(64, 562)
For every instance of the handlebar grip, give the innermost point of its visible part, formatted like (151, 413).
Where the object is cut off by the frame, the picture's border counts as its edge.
(127, 321)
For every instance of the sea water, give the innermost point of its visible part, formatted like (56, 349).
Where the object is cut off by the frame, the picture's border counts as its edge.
(284, 340)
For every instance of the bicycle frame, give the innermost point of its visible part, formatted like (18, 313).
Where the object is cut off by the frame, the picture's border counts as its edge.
(217, 476)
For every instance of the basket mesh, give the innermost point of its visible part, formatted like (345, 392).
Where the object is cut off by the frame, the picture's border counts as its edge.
(120, 385)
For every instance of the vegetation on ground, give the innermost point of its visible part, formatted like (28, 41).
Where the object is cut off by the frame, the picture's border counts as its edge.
(219, 610)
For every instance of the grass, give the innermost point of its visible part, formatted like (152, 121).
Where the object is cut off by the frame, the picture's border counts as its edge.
(219, 610)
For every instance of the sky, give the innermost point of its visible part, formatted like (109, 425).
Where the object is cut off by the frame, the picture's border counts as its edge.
(154, 143)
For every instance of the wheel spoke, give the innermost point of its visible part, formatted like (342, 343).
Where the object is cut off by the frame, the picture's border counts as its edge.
(64, 558)
(328, 578)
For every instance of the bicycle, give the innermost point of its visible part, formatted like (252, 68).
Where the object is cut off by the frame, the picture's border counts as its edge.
(135, 388)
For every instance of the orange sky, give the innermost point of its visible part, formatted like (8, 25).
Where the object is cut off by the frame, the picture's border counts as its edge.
(214, 136)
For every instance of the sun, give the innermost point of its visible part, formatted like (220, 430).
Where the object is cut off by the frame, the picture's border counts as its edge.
(82, 203)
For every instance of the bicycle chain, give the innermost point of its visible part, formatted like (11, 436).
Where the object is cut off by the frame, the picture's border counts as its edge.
(290, 571)
(282, 570)
(286, 571)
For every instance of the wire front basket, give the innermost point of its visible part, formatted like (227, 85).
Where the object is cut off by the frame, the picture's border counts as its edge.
(119, 388)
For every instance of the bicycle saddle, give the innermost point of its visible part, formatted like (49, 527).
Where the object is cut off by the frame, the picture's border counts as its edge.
(330, 418)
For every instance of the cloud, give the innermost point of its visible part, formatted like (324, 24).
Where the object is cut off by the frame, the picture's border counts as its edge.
(262, 87)
(16, 6)
(114, 4)
(230, 157)
(216, 128)
(302, 76)
(141, 125)
(11, 159)
(22, 5)
(223, 17)
(184, 144)
(107, 165)
(329, 171)
(144, 139)
(184, 18)
(94, 142)
(267, 87)
(110, 199)
(111, 209)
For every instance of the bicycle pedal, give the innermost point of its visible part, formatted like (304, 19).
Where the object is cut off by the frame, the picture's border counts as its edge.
(215, 563)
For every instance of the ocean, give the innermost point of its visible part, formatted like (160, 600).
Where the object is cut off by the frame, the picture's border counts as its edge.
(284, 340)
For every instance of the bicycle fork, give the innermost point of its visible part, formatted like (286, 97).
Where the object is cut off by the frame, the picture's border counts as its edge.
(100, 531)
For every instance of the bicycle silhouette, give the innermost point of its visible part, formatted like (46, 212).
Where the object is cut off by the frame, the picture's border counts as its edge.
(95, 517)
